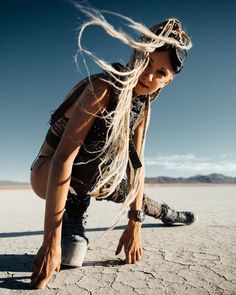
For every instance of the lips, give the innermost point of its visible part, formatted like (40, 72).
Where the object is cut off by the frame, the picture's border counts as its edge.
(143, 85)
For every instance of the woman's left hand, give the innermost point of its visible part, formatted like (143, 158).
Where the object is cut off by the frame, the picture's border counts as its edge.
(131, 240)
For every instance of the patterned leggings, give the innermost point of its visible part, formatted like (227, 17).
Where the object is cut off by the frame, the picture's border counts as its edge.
(80, 205)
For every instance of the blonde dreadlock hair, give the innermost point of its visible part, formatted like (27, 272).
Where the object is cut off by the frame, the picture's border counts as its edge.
(117, 143)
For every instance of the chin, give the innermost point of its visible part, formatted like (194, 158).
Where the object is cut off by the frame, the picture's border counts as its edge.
(139, 92)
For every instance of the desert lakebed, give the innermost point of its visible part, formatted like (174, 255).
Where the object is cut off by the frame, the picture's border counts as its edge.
(196, 259)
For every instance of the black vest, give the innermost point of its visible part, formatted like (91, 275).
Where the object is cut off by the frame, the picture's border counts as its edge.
(85, 166)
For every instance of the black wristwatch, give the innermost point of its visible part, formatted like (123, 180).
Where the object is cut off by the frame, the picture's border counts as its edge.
(137, 215)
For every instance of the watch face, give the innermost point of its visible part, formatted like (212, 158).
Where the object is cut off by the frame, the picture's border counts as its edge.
(137, 215)
(141, 216)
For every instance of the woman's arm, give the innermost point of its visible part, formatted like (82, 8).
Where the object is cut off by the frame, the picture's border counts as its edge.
(69, 146)
(49, 256)
(131, 237)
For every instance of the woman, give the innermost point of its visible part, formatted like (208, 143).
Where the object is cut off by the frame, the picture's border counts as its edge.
(98, 135)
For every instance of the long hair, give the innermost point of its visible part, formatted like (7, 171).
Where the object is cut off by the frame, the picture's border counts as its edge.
(118, 121)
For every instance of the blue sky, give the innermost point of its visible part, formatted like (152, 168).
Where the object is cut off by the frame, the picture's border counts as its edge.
(192, 129)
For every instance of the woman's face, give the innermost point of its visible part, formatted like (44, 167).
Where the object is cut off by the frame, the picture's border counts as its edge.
(156, 75)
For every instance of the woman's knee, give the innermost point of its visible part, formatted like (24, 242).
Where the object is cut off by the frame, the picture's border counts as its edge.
(37, 186)
(39, 176)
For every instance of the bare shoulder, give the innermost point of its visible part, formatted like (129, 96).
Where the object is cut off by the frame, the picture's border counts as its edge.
(96, 95)
(100, 84)
(99, 89)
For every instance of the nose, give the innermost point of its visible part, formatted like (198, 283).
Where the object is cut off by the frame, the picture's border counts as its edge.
(148, 76)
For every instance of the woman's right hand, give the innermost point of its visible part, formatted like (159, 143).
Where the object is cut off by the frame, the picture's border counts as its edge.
(47, 260)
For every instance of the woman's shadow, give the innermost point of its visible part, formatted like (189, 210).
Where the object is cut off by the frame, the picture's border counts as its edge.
(15, 263)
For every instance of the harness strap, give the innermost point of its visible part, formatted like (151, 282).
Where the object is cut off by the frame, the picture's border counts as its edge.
(134, 158)
(72, 96)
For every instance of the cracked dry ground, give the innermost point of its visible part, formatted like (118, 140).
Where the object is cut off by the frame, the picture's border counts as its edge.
(197, 259)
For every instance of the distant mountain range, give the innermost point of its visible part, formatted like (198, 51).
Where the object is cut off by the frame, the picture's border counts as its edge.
(14, 183)
(211, 178)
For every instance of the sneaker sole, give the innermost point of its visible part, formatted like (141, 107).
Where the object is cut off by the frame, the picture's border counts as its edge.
(73, 253)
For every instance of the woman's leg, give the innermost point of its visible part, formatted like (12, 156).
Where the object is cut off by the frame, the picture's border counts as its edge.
(153, 208)
(74, 241)
(39, 175)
